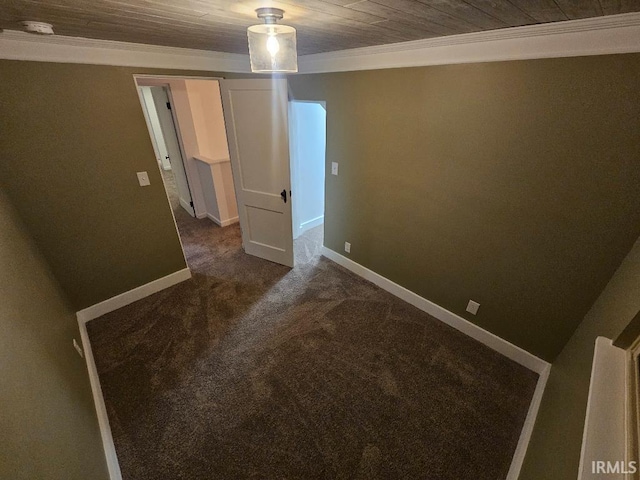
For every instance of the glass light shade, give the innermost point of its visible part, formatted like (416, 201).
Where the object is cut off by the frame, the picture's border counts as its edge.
(272, 48)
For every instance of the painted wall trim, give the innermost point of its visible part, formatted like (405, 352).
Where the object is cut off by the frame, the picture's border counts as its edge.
(527, 429)
(222, 223)
(605, 434)
(101, 410)
(131, 296)
(15, 45)
(498, 344)
(517, 354)
(212, 161)
(314, 222)
(591, 36)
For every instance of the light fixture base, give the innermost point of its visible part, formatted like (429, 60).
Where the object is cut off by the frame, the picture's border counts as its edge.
(270, 15)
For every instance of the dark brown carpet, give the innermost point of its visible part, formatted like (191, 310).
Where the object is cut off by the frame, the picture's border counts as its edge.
(254, 371)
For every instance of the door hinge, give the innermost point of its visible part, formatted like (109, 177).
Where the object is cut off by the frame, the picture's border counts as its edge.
(169, 105)
(191, 203)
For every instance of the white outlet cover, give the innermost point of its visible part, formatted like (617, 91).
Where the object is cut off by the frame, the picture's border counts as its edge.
(143, 179)
(473, 307)
(347, 247)
(334, 168)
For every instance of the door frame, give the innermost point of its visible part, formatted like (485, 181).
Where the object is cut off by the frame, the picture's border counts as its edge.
(164, 81)
(247, 197)
(295, 173)
(151, 80)
(175, 130)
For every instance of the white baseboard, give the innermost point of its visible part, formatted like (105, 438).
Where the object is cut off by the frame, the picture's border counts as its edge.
(101, 410)
(308, 225)
(222, 223)
(96, 311)
(498, 344)
(314, 222)
(517, 354)
(131, 296)
(529, 423)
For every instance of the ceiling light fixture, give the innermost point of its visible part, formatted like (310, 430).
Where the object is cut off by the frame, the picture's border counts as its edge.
(272, 47)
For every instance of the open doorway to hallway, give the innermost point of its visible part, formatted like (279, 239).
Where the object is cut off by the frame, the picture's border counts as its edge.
(274, 147)
(164, 137)
(186, 126)
(307, 146)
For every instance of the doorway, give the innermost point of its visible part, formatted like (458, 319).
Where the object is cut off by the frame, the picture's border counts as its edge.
(257, 114)
(164, 137)
(185, 119)
(244, 149)
(307, 140)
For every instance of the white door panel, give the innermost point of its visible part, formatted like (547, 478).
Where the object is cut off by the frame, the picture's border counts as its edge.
(257, 127)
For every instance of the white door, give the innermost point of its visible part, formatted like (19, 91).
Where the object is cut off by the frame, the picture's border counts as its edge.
(157, 138)
(161, 101)
(255, 114)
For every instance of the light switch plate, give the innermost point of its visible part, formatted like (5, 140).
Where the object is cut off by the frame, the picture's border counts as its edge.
(473, 307)
(334, 168)
(143, 179)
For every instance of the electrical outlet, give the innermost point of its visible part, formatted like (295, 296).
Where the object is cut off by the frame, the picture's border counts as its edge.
(143, 179)
(473, 307)
(347, 247)
(78, 348)
(334, 168)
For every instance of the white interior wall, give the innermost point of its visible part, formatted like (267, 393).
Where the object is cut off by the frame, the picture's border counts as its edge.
(211, 137)
(208, 118)
(307, 124)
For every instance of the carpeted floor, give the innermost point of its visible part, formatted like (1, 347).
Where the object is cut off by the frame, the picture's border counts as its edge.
(251, 370)
(171, 188)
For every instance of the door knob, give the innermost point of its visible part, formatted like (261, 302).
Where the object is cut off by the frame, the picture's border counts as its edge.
(283, 194)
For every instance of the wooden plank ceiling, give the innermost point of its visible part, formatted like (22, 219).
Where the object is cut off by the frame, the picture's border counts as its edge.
(323, 25)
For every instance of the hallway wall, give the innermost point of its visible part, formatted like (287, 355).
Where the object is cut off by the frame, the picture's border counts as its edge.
(70, 170)
(514, 184)
(554, 450)
(208, 118)
(307, 139)
(48, 424)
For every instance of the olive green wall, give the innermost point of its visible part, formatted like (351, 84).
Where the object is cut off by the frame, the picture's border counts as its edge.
(71, 141)
(554, 449)
(514, 184)
(48, 424)
(510, 183)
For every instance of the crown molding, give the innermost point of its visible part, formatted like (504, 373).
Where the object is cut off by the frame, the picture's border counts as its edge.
(591, 36)
(15, 45)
